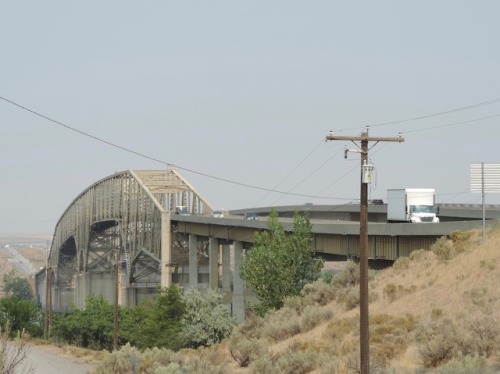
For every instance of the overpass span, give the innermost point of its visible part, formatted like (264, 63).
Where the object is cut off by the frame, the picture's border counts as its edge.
(127, 221)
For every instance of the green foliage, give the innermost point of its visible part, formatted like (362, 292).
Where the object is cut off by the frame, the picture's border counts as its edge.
(170, 320)
(91, 327)
(22, 315)
(17, 286)
(279, 265)
(163, 326)
(206, 321)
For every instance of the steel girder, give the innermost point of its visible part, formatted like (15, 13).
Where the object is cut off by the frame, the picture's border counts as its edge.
(120, 212)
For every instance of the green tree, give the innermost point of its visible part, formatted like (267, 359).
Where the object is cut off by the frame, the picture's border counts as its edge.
(21, 315)
(280, 264)
(206, 321)
(164, 325)
(17, 286)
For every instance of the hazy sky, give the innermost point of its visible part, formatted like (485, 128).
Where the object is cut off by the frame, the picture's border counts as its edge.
(246, 91)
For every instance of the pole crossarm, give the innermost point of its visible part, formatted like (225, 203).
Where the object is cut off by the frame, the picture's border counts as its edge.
(361, 138)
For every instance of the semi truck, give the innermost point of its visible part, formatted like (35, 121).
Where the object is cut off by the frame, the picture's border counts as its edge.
(415, 205)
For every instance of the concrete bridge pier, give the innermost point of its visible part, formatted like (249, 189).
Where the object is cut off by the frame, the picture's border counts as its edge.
(193, 261)
(238, 284)
(213, 263)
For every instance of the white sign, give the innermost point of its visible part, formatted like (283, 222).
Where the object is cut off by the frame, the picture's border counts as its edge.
(485, 177)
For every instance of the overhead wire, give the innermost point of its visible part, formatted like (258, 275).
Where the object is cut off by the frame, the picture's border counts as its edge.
(290, 172)
(269, 190)
(125, 149)
(309, 175)
(467, 107)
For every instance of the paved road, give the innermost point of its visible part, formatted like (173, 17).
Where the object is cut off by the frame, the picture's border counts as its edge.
(43, 361)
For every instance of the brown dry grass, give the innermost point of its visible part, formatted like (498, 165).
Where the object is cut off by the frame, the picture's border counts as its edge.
(427, 287)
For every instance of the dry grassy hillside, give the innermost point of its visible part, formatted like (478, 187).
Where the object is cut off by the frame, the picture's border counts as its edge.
(437, 311)
(36, 256)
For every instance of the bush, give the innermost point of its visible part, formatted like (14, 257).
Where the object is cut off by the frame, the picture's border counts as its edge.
(389, 336)
(313, 316)
(244, 350)
(440, 341)
(206, 320)
(22, 315)
(282, 324)
(443, 248)
(466, 365)
(393, 292)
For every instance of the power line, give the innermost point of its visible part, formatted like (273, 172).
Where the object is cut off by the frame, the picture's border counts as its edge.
(452, 124)
(289, 173)
(269, 190)
(484, 103)
(309, 176)
(125, 149)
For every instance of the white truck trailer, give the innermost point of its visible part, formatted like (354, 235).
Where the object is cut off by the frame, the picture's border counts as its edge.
(414, 205)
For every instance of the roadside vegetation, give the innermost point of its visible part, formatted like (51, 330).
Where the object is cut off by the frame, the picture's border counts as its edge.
(436, 311)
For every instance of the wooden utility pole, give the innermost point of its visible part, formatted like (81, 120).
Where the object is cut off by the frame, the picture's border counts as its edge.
(48, 301)
(364, 139)
(117, 290)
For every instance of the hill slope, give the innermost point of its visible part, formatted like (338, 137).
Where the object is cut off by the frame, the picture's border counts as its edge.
(436, 308)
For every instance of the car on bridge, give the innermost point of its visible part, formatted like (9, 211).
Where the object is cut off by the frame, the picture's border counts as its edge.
(250, 215)
(182, 210)
(217, 214)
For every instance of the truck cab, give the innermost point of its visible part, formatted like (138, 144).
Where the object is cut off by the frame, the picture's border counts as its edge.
(422, 213)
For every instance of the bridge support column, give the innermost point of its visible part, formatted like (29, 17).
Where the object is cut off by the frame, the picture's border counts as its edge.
(193, 261)
(238, 285)
(82, 290)
(226, 267)
(166, 251)
(213, 264)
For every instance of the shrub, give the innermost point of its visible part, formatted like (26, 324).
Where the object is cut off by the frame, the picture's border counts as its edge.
(318, 293)
(339, 328)
(206, 320)
(443, 248)
(393, 292)
(348, 277)
(467, 364)
(296, 361)
(402, 263)
(205, 361)
(251, 327)
(390, 336)
(442, 340)
(245, 350)
(282, 324)
(460, 240)
(313, 316)
(438, 343)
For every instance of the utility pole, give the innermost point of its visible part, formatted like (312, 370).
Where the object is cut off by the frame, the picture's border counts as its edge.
(48, 301)
(117, 290)
(364, 139)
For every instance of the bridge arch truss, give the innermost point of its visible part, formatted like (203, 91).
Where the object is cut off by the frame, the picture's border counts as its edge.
(123, 217)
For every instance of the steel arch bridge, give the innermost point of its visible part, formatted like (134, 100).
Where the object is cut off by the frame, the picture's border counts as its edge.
(122, 220)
